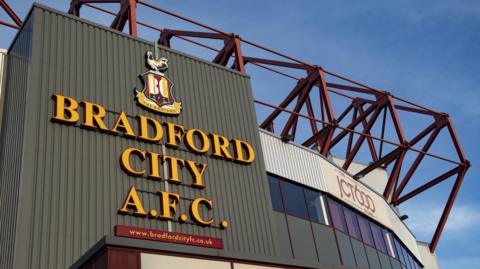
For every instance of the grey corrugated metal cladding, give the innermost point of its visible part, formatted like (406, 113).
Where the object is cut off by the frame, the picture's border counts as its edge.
(62, 186)
(12, 142)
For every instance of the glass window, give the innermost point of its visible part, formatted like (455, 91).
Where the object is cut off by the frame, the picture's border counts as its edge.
(398, 247)
(275, 193)
(294, 199)
(365, 231)
(337, 217)
(388, 240)
(378, 238)
(352, 223)
(405, 255)
(410, 259)
(315, 206)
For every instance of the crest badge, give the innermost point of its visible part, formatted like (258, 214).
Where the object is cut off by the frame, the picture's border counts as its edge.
(157, 93)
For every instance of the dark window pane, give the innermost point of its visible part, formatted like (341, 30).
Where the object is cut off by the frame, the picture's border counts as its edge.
(405, 255)
(275, 193)
(410, 259)
(294, 199)
(314, 205)
(352, 223)
(398, 247)
(337, 217)
(389, 241)
(378, 238)
(365, 231)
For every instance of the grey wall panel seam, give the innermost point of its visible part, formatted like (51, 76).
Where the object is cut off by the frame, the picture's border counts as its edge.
(80, 168)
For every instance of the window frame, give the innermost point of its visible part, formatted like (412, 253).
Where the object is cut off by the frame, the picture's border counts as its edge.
(368, 231)
(321, 204)
(277, 182)
(341, 216)
(353, 216)
(285, 202)
(329, 204)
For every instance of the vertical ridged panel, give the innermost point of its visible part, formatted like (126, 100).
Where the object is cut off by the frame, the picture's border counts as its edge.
(3, 61)
(292, 161)
(3, 71)
(11, 140)
(73, 181)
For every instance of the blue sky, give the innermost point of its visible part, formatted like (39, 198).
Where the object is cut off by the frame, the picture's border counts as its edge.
(424, 51)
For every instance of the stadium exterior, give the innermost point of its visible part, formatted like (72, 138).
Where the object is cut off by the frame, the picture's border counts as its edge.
(109, 159)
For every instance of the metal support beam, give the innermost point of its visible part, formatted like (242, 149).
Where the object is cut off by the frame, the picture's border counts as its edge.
(232, 45)
(350, 88)
(127, 12)
(385, 160)
(12, 15)
(290, 97)
(371, 145)
(75, 5)
(275, 63)
(394, 175)
(313, 123)
(302, 96)
(396, 121)
(416, 163)
(448, 208)
(354, 123)
(428, 185)
(456, 143)
(375, 102)
(325, 96)
(382, 136)
(350, 136)
(239, 63)
(325, 135)
(225, 53)
(360, 140)
(132, 19)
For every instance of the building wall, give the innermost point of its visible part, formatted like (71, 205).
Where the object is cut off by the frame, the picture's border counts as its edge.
(337, 237)
(3, 70)
(313, 170)
(12, 141)
(302, 168)
(67, 181)
(121, 257)
(429, 260)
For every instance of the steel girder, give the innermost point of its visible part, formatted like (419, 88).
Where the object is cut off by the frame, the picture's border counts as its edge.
(328, 131)
(365, 113)
(127, 12)
(13, 16)
(231, 46)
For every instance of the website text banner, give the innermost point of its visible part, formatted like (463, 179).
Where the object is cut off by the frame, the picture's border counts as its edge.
(163, 236)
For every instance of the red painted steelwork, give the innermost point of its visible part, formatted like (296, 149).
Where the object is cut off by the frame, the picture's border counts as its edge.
(128, 11)
(13, 16)
(365, 109)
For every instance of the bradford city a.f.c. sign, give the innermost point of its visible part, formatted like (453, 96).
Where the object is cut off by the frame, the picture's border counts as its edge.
(157, 91)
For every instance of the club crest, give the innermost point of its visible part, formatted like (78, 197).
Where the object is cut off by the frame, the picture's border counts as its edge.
(157, 94)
